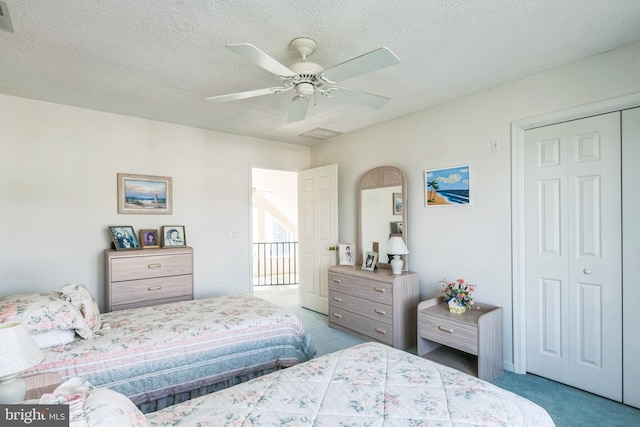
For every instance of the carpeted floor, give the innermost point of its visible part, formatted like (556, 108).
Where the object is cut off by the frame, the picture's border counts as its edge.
(568, 406)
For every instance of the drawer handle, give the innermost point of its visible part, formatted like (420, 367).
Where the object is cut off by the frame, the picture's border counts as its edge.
(156, 265)
(377, 310)
(155, 288)
(446, 329)
(383, 290)
(337, 299)
(381, 331)
(336, 280)
(339, 316)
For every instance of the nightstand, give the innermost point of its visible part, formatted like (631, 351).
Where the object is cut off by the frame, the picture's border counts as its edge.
(470, 342)
(39, 384)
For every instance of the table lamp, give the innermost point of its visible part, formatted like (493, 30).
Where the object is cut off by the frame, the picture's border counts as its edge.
(396, 247)
(18, 352)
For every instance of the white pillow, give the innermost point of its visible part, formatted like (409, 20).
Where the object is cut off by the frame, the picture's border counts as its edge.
(95, 407)
(54, 337)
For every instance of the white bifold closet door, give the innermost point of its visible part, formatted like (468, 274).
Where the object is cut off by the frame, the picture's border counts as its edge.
(631, 255)
(573, 253)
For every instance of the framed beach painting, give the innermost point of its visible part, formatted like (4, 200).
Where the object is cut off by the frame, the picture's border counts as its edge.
(447, 187)
(144, 194)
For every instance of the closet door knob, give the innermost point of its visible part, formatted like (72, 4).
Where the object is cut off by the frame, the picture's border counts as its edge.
(586, 271)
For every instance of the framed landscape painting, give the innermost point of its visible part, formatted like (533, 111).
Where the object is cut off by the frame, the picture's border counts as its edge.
(447, 187)
(144, 194)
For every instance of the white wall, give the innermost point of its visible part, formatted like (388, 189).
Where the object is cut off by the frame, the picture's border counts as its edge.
(58, 169)
(472, 242)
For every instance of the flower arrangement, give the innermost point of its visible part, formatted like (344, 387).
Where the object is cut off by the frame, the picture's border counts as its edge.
(459, 292)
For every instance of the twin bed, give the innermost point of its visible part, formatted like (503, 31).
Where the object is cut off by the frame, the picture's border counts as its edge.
(367, 385)
(160, 355)
(159, 359)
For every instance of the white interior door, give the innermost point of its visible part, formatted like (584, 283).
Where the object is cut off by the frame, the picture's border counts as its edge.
(318, 234)
(573, 253)
(631, 256)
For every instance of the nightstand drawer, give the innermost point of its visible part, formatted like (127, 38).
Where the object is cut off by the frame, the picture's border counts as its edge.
(382, 332)
(381, 292)
(136, 291)
(371, 309)
(453, 334)
(145, 267)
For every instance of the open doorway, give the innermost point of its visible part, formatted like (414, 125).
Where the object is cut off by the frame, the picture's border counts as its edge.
(275, 235)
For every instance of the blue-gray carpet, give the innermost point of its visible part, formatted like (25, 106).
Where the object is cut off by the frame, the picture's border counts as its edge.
(568, 406)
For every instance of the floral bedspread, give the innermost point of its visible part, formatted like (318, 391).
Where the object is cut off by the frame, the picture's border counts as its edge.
(152, 352)
(366, 385)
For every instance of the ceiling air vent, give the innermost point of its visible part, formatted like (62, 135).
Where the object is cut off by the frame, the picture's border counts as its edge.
(5, 19)
(320, 134)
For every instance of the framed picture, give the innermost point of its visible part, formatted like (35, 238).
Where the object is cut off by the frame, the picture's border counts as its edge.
(123, 237)
(345, 254)
(144, 194)
(447, 187)
(369, 262)
(397, 203)
(149, 238)
(395, 227)
(173, 236)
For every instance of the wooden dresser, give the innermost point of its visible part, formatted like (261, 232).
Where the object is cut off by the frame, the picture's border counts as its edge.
(374, 305)
(148, 277)
(470, 342)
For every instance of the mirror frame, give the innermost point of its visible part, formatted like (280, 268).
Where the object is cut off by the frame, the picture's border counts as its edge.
(380, 177)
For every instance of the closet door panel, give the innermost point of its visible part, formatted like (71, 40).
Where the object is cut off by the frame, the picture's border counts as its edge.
(631, 254)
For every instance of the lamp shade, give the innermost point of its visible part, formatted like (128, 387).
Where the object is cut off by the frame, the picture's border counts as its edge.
(18, 350)
(396, 246)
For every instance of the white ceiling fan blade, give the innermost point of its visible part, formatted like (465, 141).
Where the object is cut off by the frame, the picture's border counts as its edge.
(361, 98)
(261, 59)
(247, 94)
(298, 108)
(362, 64)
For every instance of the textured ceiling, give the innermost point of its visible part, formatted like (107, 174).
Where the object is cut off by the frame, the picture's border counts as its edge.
(160, 59)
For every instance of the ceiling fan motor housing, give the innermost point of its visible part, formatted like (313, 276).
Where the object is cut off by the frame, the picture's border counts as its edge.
(307, 72)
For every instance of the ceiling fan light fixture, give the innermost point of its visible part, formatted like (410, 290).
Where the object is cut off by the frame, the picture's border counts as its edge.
(305, 89)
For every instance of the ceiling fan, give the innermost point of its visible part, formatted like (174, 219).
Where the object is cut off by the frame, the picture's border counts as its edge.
(308, 78)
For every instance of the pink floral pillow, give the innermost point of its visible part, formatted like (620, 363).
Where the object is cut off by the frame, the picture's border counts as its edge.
(80, 297)
(93, 407)
(43, 312)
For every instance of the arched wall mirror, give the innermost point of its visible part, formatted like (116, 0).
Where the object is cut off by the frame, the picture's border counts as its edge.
(382, 202)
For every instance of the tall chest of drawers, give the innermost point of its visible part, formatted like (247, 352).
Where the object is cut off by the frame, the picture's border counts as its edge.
(148, 277)
(375, 306)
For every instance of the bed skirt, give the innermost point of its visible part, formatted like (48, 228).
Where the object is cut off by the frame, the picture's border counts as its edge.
(163, 402)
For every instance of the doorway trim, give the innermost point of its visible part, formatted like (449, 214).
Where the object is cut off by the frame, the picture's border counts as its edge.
(518, 128)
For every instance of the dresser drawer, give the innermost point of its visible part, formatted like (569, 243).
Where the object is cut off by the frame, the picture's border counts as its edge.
(371, 309)
(137, 291)
(382, 332)
(381, 292)
(453, 334)
(145, 267)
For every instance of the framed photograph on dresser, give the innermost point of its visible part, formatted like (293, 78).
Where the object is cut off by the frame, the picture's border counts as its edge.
(369, 262)
(173, 236)
(124, 238)
(149, 238)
